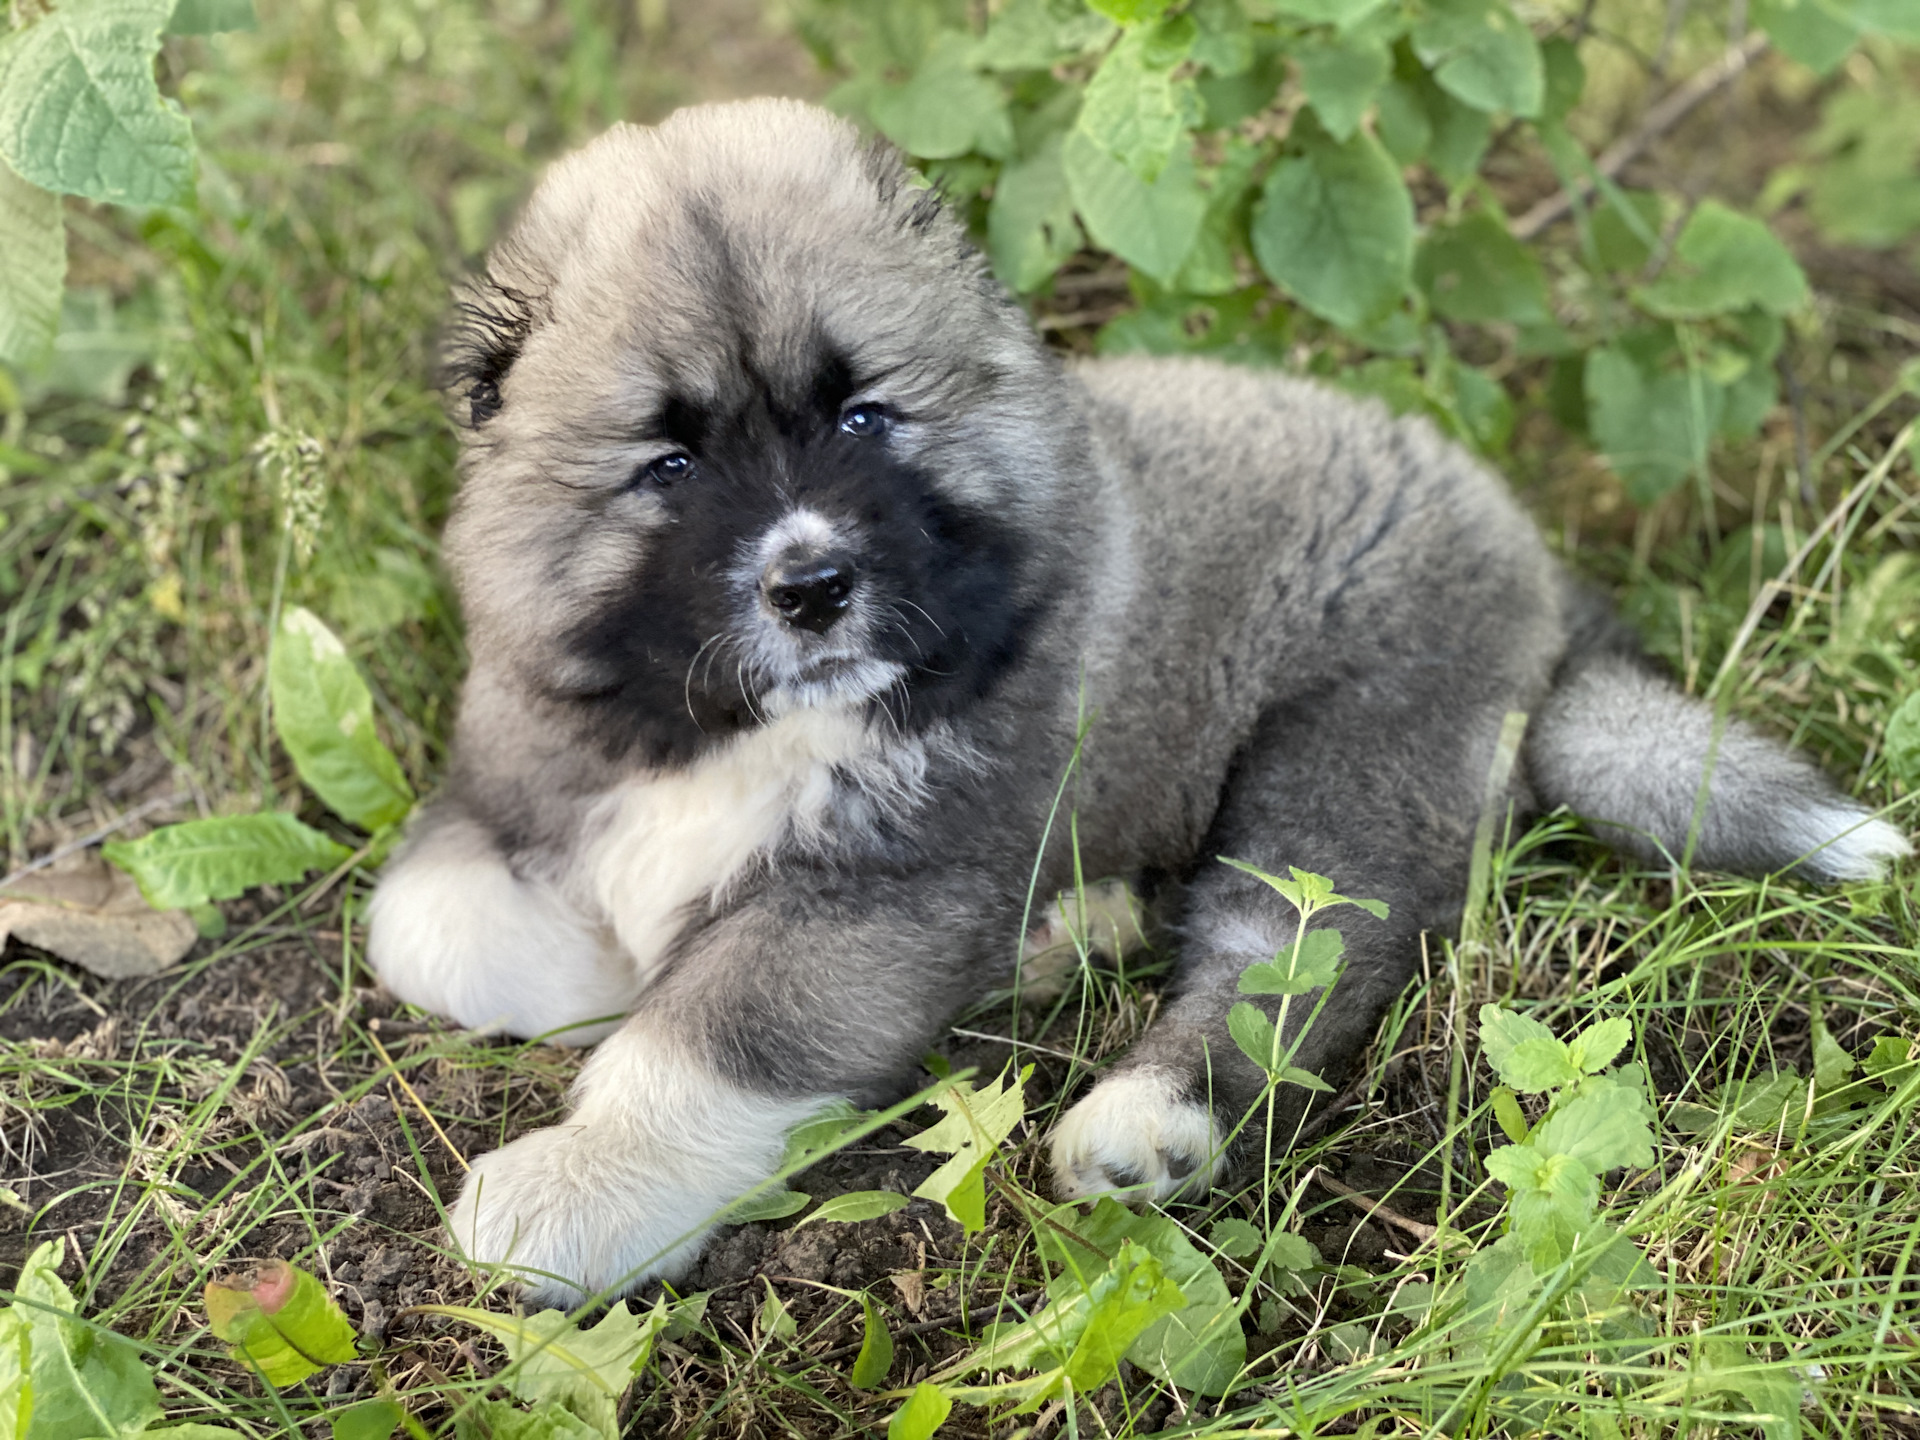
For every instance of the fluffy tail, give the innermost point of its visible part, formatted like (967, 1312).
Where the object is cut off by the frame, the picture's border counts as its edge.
(1627, 751)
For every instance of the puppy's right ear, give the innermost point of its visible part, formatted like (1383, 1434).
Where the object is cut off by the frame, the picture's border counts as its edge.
(490, 324)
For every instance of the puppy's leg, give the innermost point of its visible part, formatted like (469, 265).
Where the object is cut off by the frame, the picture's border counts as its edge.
(760, 1019)
(1315, 791)
(452, 929)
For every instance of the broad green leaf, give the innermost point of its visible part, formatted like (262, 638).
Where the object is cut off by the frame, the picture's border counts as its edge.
(1902, 742)
(1473, 269)
(1138, 106)
(211, 17)
(1722, 262)
(33, 237)
(1866, 184)
(1235, 1238)
(1506, 1110)
(1253, 1032)
(819, 1135)
(1130, 12)
(61, 1378)
(1031, 231)
(1817, 33)
(1151, 227)
(1553, 1198)
(1501, 1030)
(1771, 1391)
(772, 1204)
(1889, 1053)
(482, 1419)
(1306, 891)
(1483, 55)
(1566, 78)
(1536, 1065)
(1212, 266)
(870, 1366)
(1293, 1252)
(1341, 79)
(1229, 99)
(946, 109)
(554, 1364)
(1896, 19)
(1198, 1347)
(975, 1125)
(858, 1205)
(1604, 1127)
(1832, 1065)
(1653, 425)
(1766, 1102)
(1037, 35)
(189, 864)
(80, 112)
(1334, 227)
(1126, 1301)
(281, 1321)
(925, 1411)
(1623, 238)
(1305, 1079)
(1595, 1047)
(323, 713)
(1312, 964)
(95, 350)
(374, 1419)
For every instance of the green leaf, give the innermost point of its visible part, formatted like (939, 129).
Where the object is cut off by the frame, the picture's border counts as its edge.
(1832, 1065)
(498, 1420)
(1553, 1198)
(925, 1411)
(1722, 262)
(1037, 35)
(189, 864)
(281, 1321)
(1200, 1346)
(61, 1378)
(1506, 1110)
(33, 237)
(1335, 228)
(1623, 239)
(776, 1320)
(1817, 33)
(1566, 78)
(1305, 1079)
(1151, 227)
(1293, 1252)
(1312, 964)
(870, 1366)
(1341, 79)
(211, 17)
(1889, 1053)
(1235, 1238)
(1342, 13)
(1138, 106)
(1483, 55)
(1902, 742)
(1031, 231)
(1253, 1032)
(858, 1205)
(1472, 269)
(1212, 266)
(772, 1204)
(1604, 1126)
(1502, 1030)
(975, 1125)
(946, 109)
(374, 1419)
(553, 1363)
(1306, 891)
(1130, 12)
(323, 713)
(1132, 1296)
(80, 113)
(1653, 425)
(1595, 1047)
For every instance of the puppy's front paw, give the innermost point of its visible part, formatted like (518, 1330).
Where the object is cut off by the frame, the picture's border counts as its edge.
(1137, 1137)
(570, 1213)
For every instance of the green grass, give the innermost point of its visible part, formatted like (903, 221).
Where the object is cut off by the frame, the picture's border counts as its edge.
(251, 1104)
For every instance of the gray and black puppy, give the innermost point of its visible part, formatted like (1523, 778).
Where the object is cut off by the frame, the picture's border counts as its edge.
(791, 561)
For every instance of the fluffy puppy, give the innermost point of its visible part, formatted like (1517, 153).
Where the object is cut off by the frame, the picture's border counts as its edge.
(791, 563)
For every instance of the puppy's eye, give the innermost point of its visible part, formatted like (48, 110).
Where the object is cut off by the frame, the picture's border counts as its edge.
(668, 468)
(866, 422)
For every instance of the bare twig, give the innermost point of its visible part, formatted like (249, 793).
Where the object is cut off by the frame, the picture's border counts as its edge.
(1674, 107)
(1374, 1209)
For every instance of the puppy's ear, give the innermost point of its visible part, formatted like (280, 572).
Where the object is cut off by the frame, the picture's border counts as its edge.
(490, 324)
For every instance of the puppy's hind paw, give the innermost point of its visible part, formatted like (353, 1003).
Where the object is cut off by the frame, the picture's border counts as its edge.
(1136, 1137)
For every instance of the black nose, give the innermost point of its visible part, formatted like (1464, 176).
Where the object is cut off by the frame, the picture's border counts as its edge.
(809, 594)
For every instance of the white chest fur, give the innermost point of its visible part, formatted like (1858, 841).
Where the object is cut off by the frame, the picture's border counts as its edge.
(663, 842)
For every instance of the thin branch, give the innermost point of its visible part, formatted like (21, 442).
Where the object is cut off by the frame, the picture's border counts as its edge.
(1674, 107)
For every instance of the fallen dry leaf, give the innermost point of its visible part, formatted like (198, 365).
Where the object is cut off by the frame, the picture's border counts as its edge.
(84, 910)
(913, 1289)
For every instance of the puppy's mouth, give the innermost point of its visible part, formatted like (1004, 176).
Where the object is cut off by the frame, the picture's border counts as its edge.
(834, 681)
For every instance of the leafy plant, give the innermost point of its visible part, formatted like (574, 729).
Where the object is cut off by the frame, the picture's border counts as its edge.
(323, 714)
(81, 114)
(1248, 162)
(281, 1321)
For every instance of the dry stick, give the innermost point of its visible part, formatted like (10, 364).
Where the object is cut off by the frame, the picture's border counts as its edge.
(1674, 107)
(1374, 1209)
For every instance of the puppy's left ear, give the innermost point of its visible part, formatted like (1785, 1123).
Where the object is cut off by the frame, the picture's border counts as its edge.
(490, 324)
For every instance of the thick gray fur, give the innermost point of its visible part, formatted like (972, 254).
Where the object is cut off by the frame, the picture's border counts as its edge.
(1295, 622)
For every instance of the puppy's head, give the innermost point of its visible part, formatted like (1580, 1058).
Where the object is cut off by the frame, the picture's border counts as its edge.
(748, 429)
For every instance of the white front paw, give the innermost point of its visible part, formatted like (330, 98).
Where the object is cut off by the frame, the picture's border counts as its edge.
(1134, 1136)
(571, 1212)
